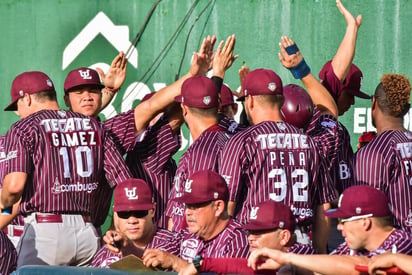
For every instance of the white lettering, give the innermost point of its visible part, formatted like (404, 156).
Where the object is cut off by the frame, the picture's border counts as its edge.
(282, 141)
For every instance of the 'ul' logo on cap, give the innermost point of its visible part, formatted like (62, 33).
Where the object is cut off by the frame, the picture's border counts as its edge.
(188, 186)
(253, 213)
(131, 194)
(85, 74)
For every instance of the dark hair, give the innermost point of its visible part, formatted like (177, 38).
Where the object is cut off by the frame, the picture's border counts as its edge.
(45, 96)
(210, 112)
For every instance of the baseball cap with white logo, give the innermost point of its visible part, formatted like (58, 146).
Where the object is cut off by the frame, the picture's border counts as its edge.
(261, 82)
(270, 215)
(199, 92)
(81, 76)
(204, 186)
(132, 195)
(360, 201)
(28, 83)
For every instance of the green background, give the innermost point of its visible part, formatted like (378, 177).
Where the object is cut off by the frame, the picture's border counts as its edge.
(36, 32)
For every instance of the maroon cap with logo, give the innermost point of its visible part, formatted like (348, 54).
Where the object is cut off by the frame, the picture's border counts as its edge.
(261, 82)
(199, 92)
(352, 82)
(226, 96)
(81, 76)
(204, 186)
(28, 83)
(132, 195)
(270, 215)
(360, 201)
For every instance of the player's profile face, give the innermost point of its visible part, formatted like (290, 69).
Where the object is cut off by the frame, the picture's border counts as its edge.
(199, 217)
(268, 238)
(352, 233)
(86, 100)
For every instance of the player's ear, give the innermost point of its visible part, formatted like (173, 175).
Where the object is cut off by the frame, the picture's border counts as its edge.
(153, 210)
(284, 237)
(66, 100)
(219, 207)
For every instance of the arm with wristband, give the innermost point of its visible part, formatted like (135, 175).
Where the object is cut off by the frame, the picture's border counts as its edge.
(292, 59)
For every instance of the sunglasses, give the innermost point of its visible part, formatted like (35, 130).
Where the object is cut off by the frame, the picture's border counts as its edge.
(137, 214)
(354, 218)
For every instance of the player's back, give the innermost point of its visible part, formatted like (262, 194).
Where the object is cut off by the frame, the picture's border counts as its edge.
(63, 152)
(271, 160)
(386, 163)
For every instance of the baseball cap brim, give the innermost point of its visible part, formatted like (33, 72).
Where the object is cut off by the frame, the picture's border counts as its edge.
(190, 200)
(84, 84)
(12, 106)
(360, 94)
(136, 207)
(336, 213)
(258, 227)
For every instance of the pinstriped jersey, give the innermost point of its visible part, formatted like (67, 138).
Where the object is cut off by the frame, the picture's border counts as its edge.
(275, 160)
(202, 154)
(386, 164)
(151, 160)
(229, 243)
(399, 239)
(65, 155)
(104, 257)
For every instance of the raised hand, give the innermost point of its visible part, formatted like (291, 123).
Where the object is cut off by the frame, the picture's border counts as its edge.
(288, 61)
(116, 75)
(202, 60)
(223, 58)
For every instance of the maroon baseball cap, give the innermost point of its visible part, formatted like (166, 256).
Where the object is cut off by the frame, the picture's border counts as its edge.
(132, 195)
(204, 186)
(226, 96)
(261, 82)
(270, 215)
(352, 82)
(360, 201)
(199, 92)
(28, 83)
(81, 76)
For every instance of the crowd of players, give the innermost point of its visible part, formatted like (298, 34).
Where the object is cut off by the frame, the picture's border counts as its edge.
(282, 189)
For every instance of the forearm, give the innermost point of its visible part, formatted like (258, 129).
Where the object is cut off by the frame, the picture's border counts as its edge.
(326, 264)
(13, 185)
(107, 97)
(320, 95)
(7, 219)
(404, 262)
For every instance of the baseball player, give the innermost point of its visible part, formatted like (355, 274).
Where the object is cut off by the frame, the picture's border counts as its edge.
(227, 111)
(55, 162)
(199, 102)
(385, 163)
(134, 210)
(366, 223)
(210, 231)
(273, 159)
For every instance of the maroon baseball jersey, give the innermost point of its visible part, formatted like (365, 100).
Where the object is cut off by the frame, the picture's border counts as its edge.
(229, 243)
(299, 248)
(151, 160)
(65, 155)
(386, 164)
(275, 160)
(8, 255)
(122, 129)
(399, 240)
(104, 257)
(202, 154)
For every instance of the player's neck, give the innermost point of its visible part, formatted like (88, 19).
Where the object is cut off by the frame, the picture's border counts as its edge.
(390, 123)
(199, 126)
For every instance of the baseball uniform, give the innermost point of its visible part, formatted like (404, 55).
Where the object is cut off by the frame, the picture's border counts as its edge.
(8, 255)
(63, 154)
(201, 155)
(229, 243)
(275, 160)
(385, 163)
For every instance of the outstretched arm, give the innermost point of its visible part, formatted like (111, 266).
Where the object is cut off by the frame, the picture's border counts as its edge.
(343, 58)
(148, 109)
(319, 94)
(266, 258)
(13, 186)
(388, 260)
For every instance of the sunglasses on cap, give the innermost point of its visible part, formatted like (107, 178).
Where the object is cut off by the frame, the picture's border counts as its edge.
(354, 218)
(137, 214)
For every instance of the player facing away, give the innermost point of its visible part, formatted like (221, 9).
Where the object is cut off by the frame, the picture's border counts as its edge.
(385, 163)
(57, 159)
(273, 159)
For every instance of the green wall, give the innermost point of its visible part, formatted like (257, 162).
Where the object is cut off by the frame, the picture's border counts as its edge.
(36, 33)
